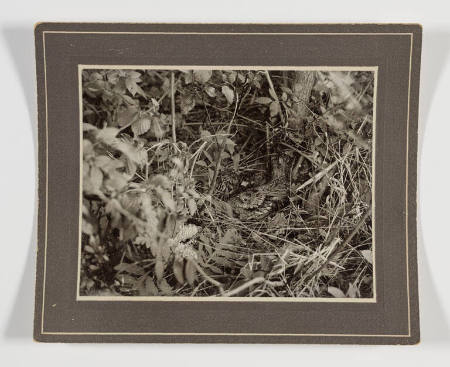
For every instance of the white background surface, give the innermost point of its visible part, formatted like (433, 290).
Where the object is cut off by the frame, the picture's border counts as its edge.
(18, 170)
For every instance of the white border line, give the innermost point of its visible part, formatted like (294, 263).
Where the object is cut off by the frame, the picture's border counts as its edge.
(407, 189)
(373, 299)
(235, 334)
(242, 33)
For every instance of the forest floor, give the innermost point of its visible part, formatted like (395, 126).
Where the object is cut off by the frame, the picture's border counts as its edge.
(246, 183)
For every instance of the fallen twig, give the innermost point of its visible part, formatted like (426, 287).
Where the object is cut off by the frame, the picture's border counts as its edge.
(244, 286)
(315, 178)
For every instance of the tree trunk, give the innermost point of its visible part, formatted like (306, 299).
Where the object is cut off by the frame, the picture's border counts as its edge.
(302, 84)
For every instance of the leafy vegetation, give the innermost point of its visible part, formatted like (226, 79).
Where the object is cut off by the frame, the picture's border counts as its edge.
(227, 183)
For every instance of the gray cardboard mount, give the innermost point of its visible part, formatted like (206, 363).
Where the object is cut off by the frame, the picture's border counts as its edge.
(394, 48)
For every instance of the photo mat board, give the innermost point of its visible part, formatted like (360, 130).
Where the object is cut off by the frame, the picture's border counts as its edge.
(388, 314)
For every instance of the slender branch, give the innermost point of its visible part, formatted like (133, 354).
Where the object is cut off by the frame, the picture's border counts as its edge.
(222, 148)
(317, 176)
(172, 104)
(244, 286)
(274, 95)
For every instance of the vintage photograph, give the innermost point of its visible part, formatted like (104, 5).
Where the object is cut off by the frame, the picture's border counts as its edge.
(227, 182)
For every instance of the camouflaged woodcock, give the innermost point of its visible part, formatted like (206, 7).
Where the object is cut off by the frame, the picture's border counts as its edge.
(258, 202)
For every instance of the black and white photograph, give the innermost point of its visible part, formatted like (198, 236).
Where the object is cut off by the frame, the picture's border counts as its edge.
(227, 182)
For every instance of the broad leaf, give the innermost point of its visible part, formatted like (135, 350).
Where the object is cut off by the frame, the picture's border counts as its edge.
(202, 76)
(367, 255)
(191, 272)
(126, 114)
(210, 91)
(107, 135)
(228, 93)
(141, 126)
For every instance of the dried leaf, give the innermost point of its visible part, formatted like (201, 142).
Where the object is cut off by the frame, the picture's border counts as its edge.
(133, 87)
(89, 249)
(186, 232)
(188, 77)
(230, 144)
(126, 115)
(367, 255)
(107, 135)
(352, 291)
(263, 100)
(87, 228)
(210, 91)
(191, 272)
(178, 271)
(228, 93)
(161, 180)
(116, 181)
(231, 236)
(202, 76)
(336, 292)
(129, 268)
(126, 279)
(159, 268)
(166, 198)
(274, 109)
(187, 103)
(166, 289)
(192, 206)
(96, 178)
(148, 288)
(232, 76)
(141, 126)
(156, 129)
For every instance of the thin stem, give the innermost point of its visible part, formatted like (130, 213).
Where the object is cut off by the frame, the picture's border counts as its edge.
(345, 243)
(274, 95)
(222, 148)
(208, 278)
(172, 104)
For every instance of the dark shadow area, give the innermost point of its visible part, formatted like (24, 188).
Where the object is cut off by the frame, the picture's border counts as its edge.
(434, 324)
(20, 41)
(435, 54)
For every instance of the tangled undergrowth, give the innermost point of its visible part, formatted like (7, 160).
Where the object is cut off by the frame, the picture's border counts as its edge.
(245, 183)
